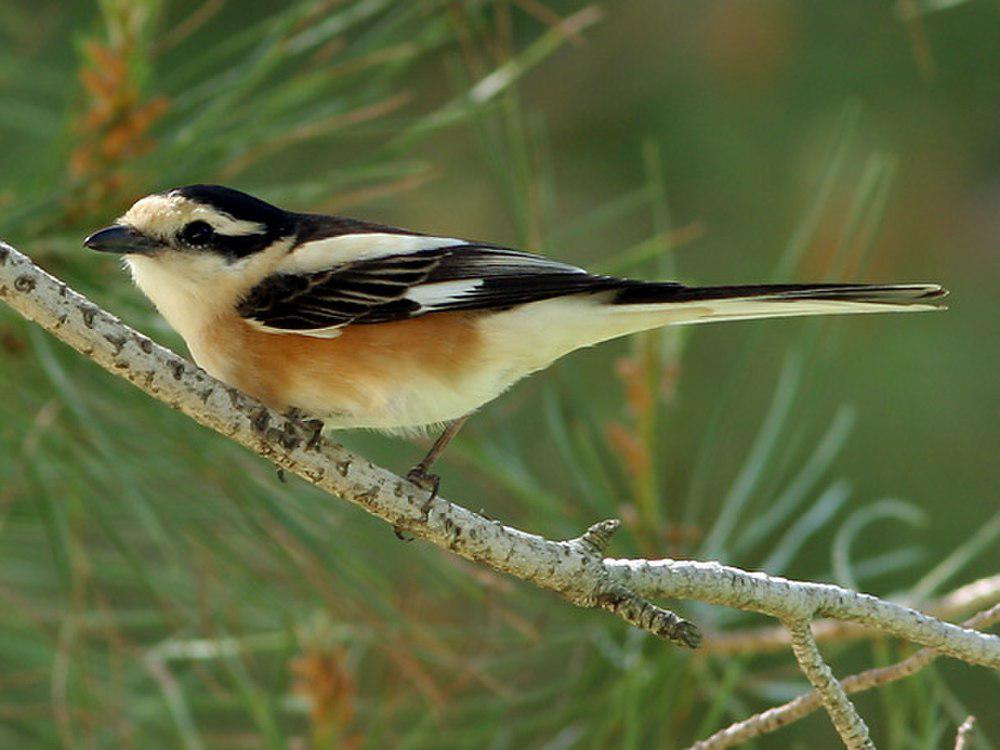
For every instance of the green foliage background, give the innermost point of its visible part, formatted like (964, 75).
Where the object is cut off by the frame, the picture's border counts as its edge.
(160, 588)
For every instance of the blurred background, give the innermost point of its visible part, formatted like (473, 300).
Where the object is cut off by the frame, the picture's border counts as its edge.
(159, 587)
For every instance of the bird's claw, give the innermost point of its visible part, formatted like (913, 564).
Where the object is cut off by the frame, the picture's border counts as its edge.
(401, 534)
(430, 482)
(313, 426)
(316, 425)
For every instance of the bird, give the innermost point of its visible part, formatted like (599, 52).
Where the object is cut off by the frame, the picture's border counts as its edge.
(363, 325)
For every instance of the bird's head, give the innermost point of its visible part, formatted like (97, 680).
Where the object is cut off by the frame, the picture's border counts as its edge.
(217, 224)
(200, 246)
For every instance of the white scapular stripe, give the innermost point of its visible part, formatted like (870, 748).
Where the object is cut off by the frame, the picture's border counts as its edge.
(320, 255)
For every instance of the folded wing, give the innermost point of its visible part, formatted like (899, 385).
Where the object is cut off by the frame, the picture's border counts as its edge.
(374, 284)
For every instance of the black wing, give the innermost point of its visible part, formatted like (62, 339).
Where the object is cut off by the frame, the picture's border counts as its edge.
(405, 285)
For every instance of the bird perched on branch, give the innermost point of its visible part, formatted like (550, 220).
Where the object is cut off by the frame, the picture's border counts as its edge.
(364, 325)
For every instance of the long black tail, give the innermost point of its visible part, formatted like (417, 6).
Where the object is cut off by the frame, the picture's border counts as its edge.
(644, 293)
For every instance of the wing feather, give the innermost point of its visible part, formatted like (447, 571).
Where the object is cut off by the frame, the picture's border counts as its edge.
(333, 285)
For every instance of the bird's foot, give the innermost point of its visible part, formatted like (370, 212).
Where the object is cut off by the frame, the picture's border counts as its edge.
(426, 481)
(430, 482)
(316, 427)
(313, 426)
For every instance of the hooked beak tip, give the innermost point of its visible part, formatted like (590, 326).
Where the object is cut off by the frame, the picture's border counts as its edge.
(120, 239)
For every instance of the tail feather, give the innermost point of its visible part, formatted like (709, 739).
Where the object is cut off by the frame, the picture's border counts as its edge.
(532, 336)
(720, 303)
(652, 292)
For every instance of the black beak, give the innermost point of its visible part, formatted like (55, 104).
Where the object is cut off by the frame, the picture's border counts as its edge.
(123, 240)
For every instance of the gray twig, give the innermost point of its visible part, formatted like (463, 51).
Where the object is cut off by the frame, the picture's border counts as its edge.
(775, 718)
(963, 740)
(845, 717)
(970, 597)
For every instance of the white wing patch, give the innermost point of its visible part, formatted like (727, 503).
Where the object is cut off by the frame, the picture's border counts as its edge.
(442, 293)
(329, 252)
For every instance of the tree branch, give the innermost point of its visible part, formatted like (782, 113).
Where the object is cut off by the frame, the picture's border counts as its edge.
(790, 600)
(781, 716)
(575, 568)
(846, 719)
(971, 597)
(963, 738)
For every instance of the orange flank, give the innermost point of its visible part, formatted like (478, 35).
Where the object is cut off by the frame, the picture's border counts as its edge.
(346, 373)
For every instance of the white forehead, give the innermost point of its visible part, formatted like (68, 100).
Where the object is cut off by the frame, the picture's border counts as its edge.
(164, 215)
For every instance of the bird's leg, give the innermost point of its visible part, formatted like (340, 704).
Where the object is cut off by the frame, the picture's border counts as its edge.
(419, 474)
(422, 478)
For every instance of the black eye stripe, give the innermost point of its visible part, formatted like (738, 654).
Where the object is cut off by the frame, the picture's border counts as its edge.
(200, 235)
(239, 246)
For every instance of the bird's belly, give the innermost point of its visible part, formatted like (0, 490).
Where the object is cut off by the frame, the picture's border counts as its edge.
(393, 405)
(389, 376)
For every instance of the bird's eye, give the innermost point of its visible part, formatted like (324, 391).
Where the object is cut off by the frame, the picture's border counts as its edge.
(197, 233)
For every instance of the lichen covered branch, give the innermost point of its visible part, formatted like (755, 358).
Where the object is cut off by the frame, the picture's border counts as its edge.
(848, 723)
(788, 713)
(790, 600)
(971, 597)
